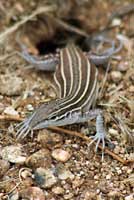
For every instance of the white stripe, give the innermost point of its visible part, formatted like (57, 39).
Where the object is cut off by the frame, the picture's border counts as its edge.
(93, 90)
(63, 74)
(86, 88)
(71, 72)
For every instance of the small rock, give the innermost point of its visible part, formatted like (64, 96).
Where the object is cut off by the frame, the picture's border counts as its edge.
(131, 88)
(10, 111)
(130, 197)
(34, 193)
(14, 195)
(63, 173)
(10, 84)
(68, 196)
(116, 22)
(26, 176)
(61, 155)
(49, 139)
(45, 177)
(77, 182)
(13, 154)
(2, 107)
(129, 171)
(96, 177)
(116, 76)
(4, 167)
(89, 195)
(41, 158)
(113, 132)
(123, 66)
(30, 107)
(114, 193)
(108, 177)
(58, 190)
(26, 173)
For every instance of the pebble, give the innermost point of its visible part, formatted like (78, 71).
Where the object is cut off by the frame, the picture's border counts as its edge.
(26, 173)
(34, 193)
(26, 176)
(61, 155)
(96, 177)
(131, 88)
(64, 173)
(114, 194)
(10, 111)
(89, 195)
(4, 167)
(13, 154)
(123, 66)
(119, 171)
(30, 107)
(130, 197)
(116, 76)
(68, 196)
(77, 182)
(49, 139)
(14, 195)
(108, 177)
(129, 171)
(113, 132)
(41, 158)
(2, 107)
(117, 149)
(10, 84)
(45, 177)
(58, 190)
(116, 22)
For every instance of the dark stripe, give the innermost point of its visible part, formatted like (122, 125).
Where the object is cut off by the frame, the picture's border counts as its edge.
(84, 86)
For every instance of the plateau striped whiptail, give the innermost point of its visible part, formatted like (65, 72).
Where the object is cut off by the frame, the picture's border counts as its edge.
(76, 79)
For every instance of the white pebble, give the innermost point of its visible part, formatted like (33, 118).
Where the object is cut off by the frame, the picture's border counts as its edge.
(13, 154)
(116, 22)
(10, 111)
(130, 197)
(61, 155)
(116, 76)
(58, 190)
(30, 107)
(108, 177)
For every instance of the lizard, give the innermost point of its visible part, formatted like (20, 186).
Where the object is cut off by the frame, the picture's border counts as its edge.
(76, 79)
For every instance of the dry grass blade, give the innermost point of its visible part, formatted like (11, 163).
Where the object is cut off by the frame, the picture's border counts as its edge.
(128, 134)
(69, 27)
(13, 28)
(129, 180)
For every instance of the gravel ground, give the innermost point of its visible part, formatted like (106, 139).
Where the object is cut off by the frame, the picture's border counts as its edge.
(52, 165)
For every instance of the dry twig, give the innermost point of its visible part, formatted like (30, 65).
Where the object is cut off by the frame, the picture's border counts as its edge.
(17, 25)
(73, 133)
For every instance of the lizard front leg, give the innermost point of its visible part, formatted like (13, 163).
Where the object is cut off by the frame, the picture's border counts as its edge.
(47, 64)
(103, 58)
(79, 117)
(100, 135)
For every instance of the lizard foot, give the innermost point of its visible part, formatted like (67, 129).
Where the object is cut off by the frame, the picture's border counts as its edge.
(100, 135)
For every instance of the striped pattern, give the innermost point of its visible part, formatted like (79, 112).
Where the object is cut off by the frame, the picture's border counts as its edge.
(76, 79)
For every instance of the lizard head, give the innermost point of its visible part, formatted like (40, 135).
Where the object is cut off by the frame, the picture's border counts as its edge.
(38, 120)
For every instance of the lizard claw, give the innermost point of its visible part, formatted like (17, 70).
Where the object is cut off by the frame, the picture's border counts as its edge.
(99, 137)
